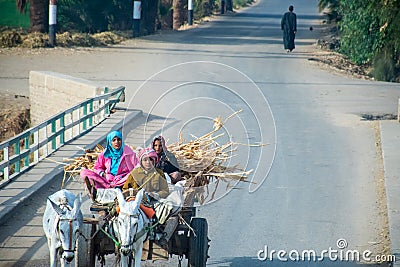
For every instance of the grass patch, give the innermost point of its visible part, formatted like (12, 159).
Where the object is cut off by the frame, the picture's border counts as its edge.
(10, 16)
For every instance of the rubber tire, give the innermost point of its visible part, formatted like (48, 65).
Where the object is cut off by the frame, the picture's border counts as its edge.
(84, 255)
(198, 245)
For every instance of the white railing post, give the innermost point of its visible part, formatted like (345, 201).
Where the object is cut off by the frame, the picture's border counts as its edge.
(36, 142)
(7, 168)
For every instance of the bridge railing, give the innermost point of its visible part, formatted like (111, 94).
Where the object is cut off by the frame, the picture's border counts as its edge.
(23, 151)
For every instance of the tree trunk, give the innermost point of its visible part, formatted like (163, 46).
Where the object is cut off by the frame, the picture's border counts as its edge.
(39, 15)
(178, 14)
(229, 5)
(150, 12)
(166, 14)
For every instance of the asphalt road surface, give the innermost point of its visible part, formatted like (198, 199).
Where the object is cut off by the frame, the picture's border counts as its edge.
(317, 186)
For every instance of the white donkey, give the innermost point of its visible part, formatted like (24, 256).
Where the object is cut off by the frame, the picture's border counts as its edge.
(130, 227)
(62, 221)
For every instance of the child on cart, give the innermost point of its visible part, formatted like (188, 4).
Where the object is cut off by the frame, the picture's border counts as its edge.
(153, 180)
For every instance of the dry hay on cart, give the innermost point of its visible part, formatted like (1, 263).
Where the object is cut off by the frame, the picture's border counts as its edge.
(202, 161)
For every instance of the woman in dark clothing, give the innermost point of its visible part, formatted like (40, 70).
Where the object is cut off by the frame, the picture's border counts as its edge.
(289, 28)
(167, 161)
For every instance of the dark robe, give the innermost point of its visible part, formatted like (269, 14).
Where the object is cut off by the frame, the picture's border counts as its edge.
(289, 27)
(167, 163)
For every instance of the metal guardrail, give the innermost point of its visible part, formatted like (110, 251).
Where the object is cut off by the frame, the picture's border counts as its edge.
(23, 151)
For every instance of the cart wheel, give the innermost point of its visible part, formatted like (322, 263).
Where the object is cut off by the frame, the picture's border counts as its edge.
(198, 245)
(84, 255)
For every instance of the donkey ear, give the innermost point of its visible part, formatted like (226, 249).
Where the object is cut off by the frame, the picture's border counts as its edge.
(57, 208)
(77, 203)
(139, 195)
(120, 197)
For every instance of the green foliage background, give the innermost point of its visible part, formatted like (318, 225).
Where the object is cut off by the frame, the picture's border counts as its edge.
(94, 15)
(10, 16)
(369, 30)
(370, 34)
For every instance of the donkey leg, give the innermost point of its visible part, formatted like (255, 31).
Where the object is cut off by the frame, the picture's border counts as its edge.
(124, 261)
(138, 254)
(53, 254)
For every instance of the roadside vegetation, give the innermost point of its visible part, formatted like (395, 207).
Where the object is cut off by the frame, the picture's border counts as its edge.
(98, 23)
(368, 34)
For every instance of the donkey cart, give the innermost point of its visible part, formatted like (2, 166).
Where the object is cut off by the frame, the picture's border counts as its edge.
(100, 237)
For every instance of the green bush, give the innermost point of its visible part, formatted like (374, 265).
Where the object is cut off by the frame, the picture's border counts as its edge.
(385, 66)
(93, 15)
(203, 8)
(241, 3)
(370, 33)
(359, 31)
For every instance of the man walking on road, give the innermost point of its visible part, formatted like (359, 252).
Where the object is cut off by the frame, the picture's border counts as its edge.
(289, 27)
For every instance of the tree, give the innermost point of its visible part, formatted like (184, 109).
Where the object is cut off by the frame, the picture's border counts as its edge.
(229, 5)
(38, 13)
(178, 14)
(149, 16)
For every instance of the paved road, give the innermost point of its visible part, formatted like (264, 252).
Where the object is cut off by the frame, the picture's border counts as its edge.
(320, 178)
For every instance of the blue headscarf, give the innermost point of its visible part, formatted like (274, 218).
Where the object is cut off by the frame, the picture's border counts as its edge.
(112, 153)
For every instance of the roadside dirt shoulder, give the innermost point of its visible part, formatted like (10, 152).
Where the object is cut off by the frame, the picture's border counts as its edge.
(14, 115)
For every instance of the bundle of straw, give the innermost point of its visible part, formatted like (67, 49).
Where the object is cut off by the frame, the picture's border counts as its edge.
(206, 155)
(85, 161)
(203, 160)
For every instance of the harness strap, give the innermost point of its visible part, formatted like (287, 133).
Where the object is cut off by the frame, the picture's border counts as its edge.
(111, 237)
(70, 235)
(144, 231)
(57, 222)
(91, 237)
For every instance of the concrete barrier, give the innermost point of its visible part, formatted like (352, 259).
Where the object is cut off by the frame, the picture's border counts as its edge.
(51, 92)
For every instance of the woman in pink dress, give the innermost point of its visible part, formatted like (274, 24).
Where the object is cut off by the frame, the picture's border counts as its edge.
(112, 166)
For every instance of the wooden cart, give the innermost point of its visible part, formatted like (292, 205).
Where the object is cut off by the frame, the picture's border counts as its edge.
(189, 240)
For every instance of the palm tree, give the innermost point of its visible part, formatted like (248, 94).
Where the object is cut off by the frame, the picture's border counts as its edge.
(149, 16)
(38, 13)
(178, 14)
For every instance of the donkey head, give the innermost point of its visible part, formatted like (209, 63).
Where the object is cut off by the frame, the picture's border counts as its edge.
(67, 224)
(127, 223)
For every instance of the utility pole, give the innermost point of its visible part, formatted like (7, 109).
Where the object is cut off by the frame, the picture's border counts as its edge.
(52, 22)
(137, 8)
(190, 12)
